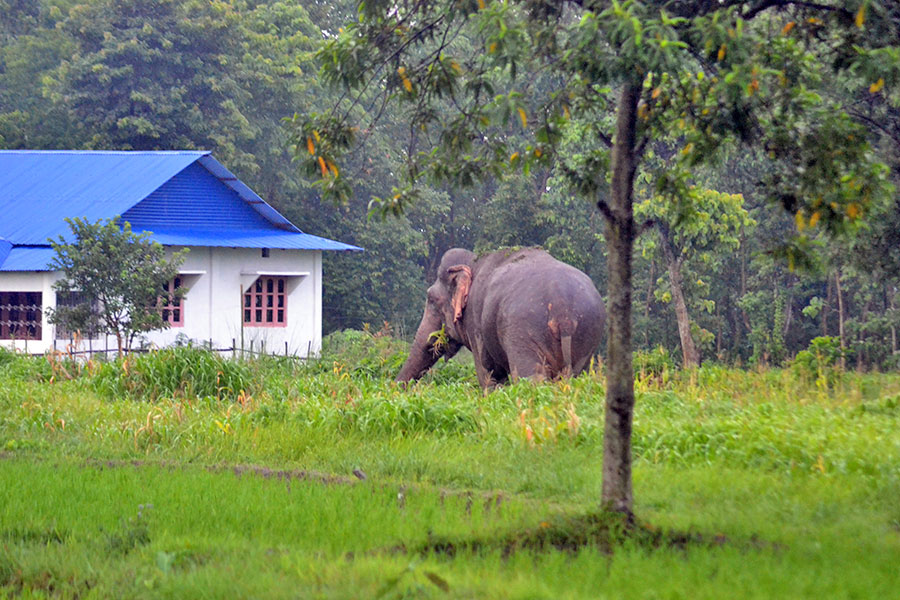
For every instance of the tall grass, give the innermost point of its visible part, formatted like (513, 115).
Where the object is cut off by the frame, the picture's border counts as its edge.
(180, 473)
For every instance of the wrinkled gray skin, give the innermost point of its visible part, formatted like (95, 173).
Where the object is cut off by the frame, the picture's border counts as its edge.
(526, 314)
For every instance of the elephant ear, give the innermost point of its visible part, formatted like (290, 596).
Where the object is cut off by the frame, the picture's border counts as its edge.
(461, 276)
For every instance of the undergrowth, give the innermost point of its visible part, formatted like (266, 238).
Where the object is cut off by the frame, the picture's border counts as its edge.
(325, 475)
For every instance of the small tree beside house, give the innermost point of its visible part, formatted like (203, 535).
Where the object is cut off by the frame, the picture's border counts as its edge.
(120, 281)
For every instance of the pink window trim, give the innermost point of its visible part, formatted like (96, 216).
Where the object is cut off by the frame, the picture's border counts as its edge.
(173, 310)
(265, 303)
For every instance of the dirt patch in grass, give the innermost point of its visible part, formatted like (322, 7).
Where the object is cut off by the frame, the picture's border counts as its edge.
(602, 531)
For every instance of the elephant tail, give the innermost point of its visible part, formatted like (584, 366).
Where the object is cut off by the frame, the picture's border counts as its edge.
(565, 329)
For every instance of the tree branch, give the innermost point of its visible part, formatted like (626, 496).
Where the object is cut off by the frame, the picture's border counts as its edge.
(606, 211)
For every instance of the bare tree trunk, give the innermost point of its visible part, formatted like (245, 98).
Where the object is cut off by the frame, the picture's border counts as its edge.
(892, 295)
(617, 494)
(840, 301)
(689, 352)
(649, 299)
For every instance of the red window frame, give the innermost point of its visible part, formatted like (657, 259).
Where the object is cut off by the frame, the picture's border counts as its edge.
(171, 307)
(21, 314)
(265, 303)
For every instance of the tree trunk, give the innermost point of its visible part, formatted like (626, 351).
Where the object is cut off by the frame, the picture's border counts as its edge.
(840, 301)
(892, 295)
(617, 492)
(649, 300)
(689, 352)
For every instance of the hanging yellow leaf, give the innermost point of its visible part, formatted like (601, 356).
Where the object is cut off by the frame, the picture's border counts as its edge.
(566, 112)
(316, 135)
(655, 93)
(538, 153)
(801, 222)
(787, 28)
(753, 87)
(721, 54)
(323, 167)
(643, 112)
(814, 218)
(407, 84)
(815, 21)
(514, 157)
(492, 48)
(861, 16)
(310, 146)
(876, 87)
(687, 149)
(523, 117)
(854, 211)
(333, 168)
(481, 4)
(455, 66)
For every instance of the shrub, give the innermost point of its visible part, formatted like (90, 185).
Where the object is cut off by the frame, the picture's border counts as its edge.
(184, 372)
(363, 354)
(653, 363)
(819, 361)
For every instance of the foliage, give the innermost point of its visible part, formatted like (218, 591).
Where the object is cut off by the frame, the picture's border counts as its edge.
(363, 353)
(118, 275)
(178, 372)
(654, 363)
(820, 362)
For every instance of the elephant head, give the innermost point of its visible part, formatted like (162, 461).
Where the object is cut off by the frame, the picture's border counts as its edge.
(440, 332)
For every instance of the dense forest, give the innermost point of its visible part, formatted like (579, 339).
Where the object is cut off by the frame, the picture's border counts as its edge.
(228, 75)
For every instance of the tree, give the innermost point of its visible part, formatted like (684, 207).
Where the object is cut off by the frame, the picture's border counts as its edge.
(711, 75)
(119, 278)
(714, 221)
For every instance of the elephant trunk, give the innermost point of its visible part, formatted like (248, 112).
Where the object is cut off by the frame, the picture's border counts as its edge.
(423, 353)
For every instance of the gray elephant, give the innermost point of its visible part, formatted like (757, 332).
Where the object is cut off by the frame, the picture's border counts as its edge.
(522, 313)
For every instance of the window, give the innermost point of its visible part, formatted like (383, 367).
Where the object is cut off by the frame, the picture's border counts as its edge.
(71, 300)
(265, 303)
(20, 315)
(171, 306)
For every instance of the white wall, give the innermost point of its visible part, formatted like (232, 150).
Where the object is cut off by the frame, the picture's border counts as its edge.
(216, 278)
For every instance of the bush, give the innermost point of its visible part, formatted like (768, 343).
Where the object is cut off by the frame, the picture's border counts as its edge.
(178, 372)
(363, 354)
(653, 363)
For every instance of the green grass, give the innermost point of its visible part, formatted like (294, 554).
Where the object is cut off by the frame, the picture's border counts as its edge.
(178, 475)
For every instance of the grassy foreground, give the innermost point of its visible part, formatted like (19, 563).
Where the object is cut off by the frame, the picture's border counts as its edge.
(182, 475)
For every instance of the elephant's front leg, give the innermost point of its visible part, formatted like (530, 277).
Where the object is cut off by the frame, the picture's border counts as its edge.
(489, 375)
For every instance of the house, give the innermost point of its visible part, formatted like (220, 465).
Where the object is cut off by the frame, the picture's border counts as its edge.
(251, 276)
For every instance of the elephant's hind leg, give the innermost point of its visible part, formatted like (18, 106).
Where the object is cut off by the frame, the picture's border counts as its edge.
(528, 364)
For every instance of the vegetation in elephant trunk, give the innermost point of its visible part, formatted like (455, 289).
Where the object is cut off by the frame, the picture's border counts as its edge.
(429, 345)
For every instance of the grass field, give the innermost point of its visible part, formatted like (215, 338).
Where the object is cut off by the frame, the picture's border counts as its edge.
(181, 475)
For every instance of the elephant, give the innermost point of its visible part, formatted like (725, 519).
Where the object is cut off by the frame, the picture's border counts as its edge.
(521, 312)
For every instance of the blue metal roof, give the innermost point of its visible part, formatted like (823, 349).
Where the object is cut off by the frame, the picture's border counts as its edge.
(5, 248)
(182, 197)
(39, 189)
(240, 238)
(196, 199)
(28, 258)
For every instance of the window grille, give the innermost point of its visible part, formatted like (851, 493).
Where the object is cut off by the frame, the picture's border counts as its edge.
(265, 303)
(20, 315)
(171, 306)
